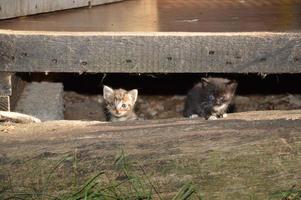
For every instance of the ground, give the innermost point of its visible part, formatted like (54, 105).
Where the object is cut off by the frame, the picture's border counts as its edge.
(252, 155)
(89, 107)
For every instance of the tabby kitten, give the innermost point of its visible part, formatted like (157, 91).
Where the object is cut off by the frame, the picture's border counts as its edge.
(210, 98)
(120, 104)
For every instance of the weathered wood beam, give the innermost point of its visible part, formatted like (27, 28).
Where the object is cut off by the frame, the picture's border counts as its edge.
(255, 52)
(4, 103)
(5, 84)
(11, 86)
(17, 8)
(5, 91)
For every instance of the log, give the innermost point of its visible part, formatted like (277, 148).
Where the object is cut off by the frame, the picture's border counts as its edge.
(247, 155)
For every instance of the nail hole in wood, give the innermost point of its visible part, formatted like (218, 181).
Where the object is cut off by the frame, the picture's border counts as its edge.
(229, 63)
(128, 61)
(24, 54)
(211, 52)
(296, 59)
(169, 58)
(263, 59)
(54, 61)
(84, 63)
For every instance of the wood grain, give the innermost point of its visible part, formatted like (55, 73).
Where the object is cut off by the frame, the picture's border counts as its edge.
(4, 103)
(17, 8)
(11, 86)
(150, 52)
(5, 84)
(247, 154)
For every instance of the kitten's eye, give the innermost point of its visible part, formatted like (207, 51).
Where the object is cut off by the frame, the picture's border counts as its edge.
(211, 97)
(123, 105)
(224, 99)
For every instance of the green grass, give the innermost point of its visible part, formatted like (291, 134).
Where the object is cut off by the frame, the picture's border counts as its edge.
(77, 176)
(291, 194)
(124, 182)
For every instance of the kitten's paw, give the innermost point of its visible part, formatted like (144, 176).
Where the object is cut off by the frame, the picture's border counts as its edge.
(193, 116)
(225, 115)
(212, 117)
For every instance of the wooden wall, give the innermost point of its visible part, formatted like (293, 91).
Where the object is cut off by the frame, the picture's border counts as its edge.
(16, 8)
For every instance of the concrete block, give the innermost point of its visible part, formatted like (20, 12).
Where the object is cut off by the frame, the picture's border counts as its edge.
(42, 100)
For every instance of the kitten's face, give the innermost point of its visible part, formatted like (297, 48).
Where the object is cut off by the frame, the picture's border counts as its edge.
(119, 102)
(220, 98)
(221, 90)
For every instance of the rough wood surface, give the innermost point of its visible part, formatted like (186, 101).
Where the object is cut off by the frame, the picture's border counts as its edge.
(11, 86)
(5, 91)
(254, 155)
(5, 84)
(170, 16)
(17, 8)
(150, 52)
(4, 103)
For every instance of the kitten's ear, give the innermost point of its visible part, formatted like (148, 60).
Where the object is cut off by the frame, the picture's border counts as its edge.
(232, 84)
(107, 92)
(205, 81)
(133, 94)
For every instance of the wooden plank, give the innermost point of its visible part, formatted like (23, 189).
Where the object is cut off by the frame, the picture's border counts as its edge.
(5, 91)
(11, 86)
(150, 52)
(170, 16)
(17, 8)
(5, 84)
(4, 103)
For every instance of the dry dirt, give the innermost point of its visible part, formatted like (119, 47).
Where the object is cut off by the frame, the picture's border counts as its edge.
(253, 155)
(89, 107)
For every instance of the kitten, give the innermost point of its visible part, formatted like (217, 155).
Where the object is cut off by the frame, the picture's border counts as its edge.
(120, 104)
(210, 98)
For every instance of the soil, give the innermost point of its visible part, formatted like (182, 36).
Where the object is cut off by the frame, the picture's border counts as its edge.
(90, 107)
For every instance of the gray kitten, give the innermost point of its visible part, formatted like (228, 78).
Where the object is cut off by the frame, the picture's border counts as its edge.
(210, 98)
(120, 104)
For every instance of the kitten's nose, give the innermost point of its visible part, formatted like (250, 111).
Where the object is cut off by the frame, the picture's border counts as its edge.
(117, 111)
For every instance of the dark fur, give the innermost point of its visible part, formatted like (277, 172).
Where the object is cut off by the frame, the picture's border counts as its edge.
(209, 94)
